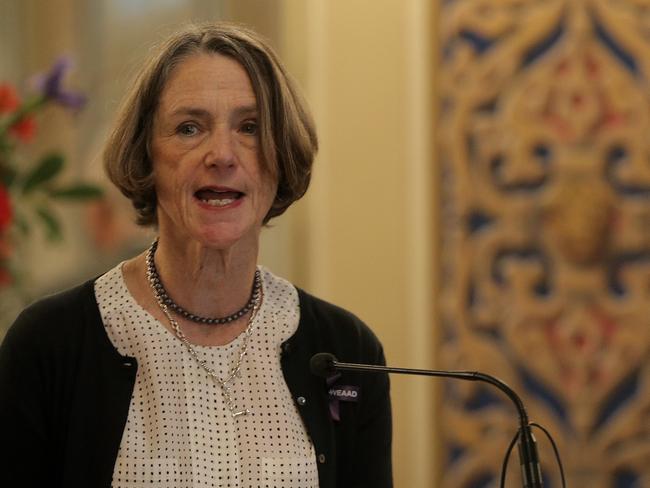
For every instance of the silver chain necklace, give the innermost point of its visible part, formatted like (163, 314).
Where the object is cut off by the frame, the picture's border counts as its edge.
(235, 371)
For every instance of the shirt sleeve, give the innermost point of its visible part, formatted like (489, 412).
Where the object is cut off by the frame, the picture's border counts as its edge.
(24, 456)
(374, 435)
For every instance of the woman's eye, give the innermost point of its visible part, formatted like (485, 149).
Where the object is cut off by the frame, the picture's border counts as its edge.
(249, 128)
(188, 130)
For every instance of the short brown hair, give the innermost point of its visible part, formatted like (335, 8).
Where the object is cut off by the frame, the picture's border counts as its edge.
(287, 132)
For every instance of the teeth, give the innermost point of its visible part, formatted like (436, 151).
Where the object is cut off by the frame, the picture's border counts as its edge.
(219, 202)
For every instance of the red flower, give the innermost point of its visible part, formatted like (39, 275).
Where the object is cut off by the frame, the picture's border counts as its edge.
(6, 213)
(5, 276)
(24, 129)
(9, 100)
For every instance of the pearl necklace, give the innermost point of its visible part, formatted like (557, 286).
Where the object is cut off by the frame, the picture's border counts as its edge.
(235, 371)
(154, 279)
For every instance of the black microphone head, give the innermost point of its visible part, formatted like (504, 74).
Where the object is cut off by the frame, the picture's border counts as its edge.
(322, 364)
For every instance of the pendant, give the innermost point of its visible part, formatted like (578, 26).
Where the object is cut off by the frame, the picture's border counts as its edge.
(241, 412)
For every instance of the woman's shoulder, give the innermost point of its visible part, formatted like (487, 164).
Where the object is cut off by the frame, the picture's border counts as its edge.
(54, 319)
(60, 305)
(325, 311)
(334, 324)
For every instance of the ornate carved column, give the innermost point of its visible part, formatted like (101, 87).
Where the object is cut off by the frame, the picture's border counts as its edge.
(545, 164)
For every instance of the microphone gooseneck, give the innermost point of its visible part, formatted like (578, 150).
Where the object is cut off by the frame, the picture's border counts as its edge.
(324, 364)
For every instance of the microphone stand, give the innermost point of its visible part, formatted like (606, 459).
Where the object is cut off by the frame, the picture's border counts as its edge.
(528, 457)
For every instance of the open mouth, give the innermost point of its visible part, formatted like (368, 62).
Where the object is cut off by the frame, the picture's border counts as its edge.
(217, 197)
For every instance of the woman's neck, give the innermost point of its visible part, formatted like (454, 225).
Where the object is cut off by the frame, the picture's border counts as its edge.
(205, 281)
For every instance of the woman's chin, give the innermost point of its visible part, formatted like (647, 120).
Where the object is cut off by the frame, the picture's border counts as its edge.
(225, 238)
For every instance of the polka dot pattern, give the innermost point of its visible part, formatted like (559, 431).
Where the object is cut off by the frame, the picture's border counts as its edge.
(179, 431)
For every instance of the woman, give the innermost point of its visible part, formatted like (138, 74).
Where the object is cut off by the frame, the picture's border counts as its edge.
(188, 365)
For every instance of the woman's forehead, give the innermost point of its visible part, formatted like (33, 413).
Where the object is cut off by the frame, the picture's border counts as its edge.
(207, 78)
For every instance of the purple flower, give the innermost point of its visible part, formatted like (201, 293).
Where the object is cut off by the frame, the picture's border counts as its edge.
(51, 87)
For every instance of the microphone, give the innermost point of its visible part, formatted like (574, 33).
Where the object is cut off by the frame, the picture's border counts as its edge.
(324, 364)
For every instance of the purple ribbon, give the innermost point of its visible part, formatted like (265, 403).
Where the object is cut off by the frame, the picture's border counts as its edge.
(338, 394)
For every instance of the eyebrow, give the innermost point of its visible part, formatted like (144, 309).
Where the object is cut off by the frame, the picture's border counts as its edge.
(200, 112)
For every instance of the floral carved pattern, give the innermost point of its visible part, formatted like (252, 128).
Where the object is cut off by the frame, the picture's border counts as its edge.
(545, 156)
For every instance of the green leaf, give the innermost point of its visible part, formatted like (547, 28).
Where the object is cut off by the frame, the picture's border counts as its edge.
(6, 148)
(48, 168)
(79, 191)
(22, 223)
(51, 223)
(7, 176)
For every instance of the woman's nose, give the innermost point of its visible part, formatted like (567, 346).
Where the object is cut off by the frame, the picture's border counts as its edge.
(220, 149)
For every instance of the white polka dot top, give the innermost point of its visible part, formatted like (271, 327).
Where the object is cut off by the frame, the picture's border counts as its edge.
(179, 432)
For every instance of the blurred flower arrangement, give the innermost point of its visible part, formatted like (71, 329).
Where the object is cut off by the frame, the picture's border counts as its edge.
(27, 191)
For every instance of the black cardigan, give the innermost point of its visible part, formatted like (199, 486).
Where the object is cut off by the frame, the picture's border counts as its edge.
(65, 393)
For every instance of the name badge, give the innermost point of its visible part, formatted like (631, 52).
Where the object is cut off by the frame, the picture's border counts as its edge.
(345, 393)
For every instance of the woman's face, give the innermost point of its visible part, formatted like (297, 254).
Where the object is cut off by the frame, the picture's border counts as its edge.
(205, 148)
